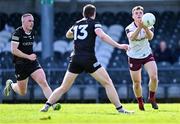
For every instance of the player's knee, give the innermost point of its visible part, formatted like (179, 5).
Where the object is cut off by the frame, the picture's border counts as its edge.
(154, 78)
(43, 83)
(137, 84)
(107, 82)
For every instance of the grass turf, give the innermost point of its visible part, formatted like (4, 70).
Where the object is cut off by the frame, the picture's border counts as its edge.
(88, 114)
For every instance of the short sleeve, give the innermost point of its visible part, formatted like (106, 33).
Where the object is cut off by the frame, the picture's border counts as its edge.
(72, 29)
(128, 29)
(16, 36)
(97, 25)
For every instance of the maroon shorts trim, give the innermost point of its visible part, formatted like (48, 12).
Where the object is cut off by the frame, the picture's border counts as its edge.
(136, 64)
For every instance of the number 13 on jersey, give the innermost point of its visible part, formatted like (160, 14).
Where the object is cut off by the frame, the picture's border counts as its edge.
(80, 32)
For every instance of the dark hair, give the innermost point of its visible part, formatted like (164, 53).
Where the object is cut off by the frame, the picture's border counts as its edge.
(89, 10)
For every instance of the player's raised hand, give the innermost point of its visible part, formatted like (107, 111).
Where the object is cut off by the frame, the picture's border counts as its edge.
(32, 57)
(124, 46)
(141, 25)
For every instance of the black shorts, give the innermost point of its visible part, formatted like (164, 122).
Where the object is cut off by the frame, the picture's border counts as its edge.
(80, 63)
(25, 69)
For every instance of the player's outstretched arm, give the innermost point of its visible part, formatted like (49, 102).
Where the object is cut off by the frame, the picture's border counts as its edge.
(69, 34)
(99, 32)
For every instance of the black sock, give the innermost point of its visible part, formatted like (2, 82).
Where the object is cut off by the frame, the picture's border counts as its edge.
(49, 104)
(118, 108)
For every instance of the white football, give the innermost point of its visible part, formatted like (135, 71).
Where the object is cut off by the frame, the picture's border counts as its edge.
(148, 19)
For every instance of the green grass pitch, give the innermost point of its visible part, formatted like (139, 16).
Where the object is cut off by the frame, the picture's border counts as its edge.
(88, 114)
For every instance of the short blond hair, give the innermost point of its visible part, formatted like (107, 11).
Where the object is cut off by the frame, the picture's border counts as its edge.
(25, 15)
(137, 8)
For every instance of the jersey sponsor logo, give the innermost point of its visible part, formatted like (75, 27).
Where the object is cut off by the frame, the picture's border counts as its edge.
(15, 38)
(82, 34)
(27, 43)
(24, 36)
(30, 37)
(96, 64)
